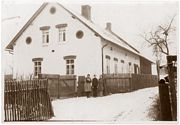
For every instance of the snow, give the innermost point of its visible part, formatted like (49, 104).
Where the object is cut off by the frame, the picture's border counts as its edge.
(133, 106)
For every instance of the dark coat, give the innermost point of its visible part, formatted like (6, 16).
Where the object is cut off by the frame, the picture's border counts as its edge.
(100, 86)
(95, 82)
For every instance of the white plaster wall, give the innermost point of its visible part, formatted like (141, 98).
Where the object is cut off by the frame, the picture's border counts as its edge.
(87, 49)
(120, 54)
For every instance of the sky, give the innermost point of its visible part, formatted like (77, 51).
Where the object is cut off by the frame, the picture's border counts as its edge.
(129, 20)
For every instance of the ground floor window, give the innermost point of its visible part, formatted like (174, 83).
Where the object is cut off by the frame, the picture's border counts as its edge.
(115, 65)
(130, 67)
(37, 66)
(107, 64)
(70, 66)
(122, 66)
(136, 69)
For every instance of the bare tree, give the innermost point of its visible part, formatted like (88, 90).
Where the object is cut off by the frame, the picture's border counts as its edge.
(159, 41)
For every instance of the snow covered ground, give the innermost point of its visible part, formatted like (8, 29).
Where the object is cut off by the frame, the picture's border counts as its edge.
(133, 106)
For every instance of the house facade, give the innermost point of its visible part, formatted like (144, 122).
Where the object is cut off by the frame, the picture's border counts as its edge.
(57, 41)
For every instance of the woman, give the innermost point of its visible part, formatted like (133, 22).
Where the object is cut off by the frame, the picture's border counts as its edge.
(87, 86)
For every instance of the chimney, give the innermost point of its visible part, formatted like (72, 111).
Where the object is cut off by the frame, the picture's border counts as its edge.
(86, 11)
(108, 26)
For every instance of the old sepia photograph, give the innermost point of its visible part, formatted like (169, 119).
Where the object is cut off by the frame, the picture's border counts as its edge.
(110, 61)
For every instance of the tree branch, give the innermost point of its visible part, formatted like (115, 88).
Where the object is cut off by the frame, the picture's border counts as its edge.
(170, 23)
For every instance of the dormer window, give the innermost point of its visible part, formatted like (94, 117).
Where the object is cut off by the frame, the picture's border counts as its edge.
(45, 34)
(61, 32)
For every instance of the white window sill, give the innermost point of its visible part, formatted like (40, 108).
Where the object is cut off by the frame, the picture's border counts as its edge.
(45, 44)
(62, 42)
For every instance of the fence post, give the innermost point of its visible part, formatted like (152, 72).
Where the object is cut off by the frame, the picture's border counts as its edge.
(165, 106)
(81, 81)
(75, 86)
(130, 84)
(104, 86)
(171, 71)
(58, 86)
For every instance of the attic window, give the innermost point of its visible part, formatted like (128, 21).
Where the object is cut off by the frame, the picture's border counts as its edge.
(79, 34)
(52, 10)
(28, 40)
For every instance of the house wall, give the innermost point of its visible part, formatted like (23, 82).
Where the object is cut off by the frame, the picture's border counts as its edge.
(87, 50)
(145, 66)
(114, 51)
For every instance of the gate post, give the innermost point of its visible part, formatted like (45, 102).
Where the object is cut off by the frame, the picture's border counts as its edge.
(165, 107)
(81, 81)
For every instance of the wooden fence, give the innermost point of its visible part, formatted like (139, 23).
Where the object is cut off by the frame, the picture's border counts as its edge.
(128, 82)
(60, 86)
(27, 101)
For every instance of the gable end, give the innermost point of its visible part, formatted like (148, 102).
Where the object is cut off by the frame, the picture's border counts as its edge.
(12, 43)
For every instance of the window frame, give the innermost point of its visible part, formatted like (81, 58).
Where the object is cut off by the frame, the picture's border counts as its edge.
(37, 66)
(70, 67)
(136, 68)
(70, 64)
(62, 35)
(108, 64)
(115, 65)
(122, 66)
(45, 35)
(130, 65)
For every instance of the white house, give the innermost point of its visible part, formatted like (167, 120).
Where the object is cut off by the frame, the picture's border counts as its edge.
(58, 41)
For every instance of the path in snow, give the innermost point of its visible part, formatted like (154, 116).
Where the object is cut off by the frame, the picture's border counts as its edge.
(133, 106)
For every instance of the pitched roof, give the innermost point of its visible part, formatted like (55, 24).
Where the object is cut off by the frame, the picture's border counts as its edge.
(101, 32)
(10, 45)
(109, 36)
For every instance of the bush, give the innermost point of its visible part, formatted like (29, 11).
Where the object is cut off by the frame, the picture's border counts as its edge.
(154, 112)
